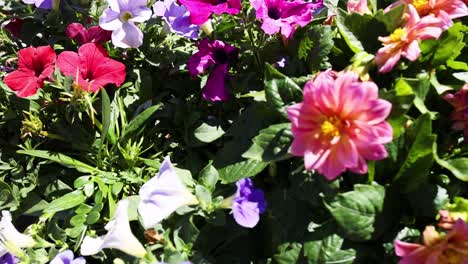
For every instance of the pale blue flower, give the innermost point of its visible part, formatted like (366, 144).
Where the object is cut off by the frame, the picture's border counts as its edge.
(177, 18)
(162, 195)
(11, 240)
(120, 18)
(67, 257)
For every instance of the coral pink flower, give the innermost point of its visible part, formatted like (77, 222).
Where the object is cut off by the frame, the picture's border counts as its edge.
(446, 10)
(82, 35)
(91, 67)
(404, 41)
(340, 124)
(358, 6)
(437, 248)
(459, 101)
(35, 65)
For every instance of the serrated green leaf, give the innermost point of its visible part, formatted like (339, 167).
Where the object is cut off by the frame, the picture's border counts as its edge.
(272, 144)
(207, 134)
(356, 212)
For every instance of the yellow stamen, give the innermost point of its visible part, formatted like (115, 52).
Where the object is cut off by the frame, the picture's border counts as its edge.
(422, 6)
(449, 256)
(331, 126)
(125, 16)
(398, 34)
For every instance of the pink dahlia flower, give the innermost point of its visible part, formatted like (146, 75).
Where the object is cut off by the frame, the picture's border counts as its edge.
(358, 6)
(219, 55)
(340, 124)
(404, 41)
(284, 15)
(446, 10)
(201, 10)
(459, 101)
(437, 248)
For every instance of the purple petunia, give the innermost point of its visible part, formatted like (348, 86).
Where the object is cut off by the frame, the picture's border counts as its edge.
(220, 55)
(284, 15)
(176, 17)
(67, 257)
(248, 203)
(8, 258)
(201, 10)
(44, 4)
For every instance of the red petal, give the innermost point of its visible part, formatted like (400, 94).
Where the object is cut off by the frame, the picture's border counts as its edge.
(45, 56)
(77, 31)
(68, 62)
(23, 82)
(98, 35)
(101, 68)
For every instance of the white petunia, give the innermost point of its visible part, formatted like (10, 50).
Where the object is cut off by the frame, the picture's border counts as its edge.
(11, 240)
(162, 195)
(119, 236)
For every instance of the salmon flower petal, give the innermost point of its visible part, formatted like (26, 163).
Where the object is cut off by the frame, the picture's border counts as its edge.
(340, 124)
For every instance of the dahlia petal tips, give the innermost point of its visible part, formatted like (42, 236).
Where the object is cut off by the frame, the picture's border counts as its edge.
(340, 124)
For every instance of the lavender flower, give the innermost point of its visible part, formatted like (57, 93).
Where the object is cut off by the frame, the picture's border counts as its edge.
(120, 18)
(10, 239)
(119, 236)
(162, 195)
(67, 257)
(248, 203)
(220, 55)
(44, 4)
(177, 18)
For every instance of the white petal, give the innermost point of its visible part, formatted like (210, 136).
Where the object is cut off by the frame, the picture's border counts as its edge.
(162, 195)
(128, 36)
(119, 236)
(141, 14)
(10, 235)
(110, 20)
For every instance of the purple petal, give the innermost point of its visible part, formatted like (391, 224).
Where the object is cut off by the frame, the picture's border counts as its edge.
(215, 89)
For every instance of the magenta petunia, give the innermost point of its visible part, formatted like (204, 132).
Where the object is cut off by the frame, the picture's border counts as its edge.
(459, 116)
(219, 55)
(340, 124)
(284, 15)
(201, 10)
(96, 34)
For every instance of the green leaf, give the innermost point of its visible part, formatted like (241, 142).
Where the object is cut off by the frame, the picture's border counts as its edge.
(328, 250)
(136, 125)
(209, 177)
(450, 44)
(78, 220)
(280, 90)
(415, 169)
(207, 134)
(204, 196)
(289, 253)
(60, 158)
(350, 38)
(458, 166)
(272, 144)
(240, 170)
(392, 18)
(106, 113)
(318, 44)
(356, 212)
(93, 217)
(65, 202)
(428, 199)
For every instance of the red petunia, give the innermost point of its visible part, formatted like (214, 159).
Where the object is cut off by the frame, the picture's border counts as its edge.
(91, 67)
(35, 65)
(96, 34)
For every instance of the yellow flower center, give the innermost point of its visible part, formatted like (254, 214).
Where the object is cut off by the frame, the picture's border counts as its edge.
(398, 34)
(449, 256)
(125, 16)
(422, 6)
(331, 126)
